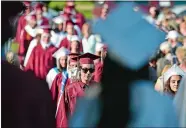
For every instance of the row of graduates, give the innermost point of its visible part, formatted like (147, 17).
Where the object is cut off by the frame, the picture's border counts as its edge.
(37, 17)
(73, 69)
(56, 54)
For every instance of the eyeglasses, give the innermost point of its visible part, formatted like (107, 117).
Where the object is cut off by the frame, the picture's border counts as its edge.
(85, 70)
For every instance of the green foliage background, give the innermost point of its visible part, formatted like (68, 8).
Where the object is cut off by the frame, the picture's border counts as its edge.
(84, 7)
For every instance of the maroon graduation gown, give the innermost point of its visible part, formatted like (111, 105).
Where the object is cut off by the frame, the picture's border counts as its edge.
(56, 86)
(41, 61)
(68, 102)
(45, 21)
(55, 89)
(20, 26)
(24, 44)
(98, 71)
(66, 43)
(80, 20)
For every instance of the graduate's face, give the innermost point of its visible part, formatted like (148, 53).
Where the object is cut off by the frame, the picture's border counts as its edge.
(32, 23)
(44, 9)
(60, 27)
(70, 29)
(86, 30)
(46, 38)
(73, 64)
(174, 82)
(86, 72)
(63, 61)
(74, 46)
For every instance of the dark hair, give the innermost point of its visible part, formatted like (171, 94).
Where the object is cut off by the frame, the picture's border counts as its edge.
(167, 88)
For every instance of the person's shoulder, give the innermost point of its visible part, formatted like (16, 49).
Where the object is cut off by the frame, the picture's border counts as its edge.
(74, 85)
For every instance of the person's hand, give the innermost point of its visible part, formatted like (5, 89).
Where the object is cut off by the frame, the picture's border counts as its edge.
(21, 67)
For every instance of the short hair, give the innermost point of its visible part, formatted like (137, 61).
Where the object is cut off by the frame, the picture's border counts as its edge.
(166, 68)
(181, 51)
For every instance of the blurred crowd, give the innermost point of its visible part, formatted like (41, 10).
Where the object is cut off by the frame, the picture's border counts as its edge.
(61, 49)
(169, 62)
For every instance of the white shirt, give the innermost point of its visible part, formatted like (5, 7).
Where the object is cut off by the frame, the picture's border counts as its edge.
(57, 38)
(89, 44)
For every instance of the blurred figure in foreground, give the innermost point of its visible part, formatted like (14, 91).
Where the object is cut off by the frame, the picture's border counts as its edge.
(25, 104)
(127, 95)
(180, 102)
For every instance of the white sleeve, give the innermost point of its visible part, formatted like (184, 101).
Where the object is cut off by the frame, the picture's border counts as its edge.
(33, 43)
(50, 77)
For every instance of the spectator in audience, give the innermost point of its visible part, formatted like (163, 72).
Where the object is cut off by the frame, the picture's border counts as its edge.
(88, 41)
(181, 55)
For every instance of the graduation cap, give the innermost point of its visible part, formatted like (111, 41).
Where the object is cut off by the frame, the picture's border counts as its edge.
(31, 16)
(38, 6)
(86, 58)
(174, 70)
(75, 38)
(131, 38)
(61, 52)
(27, 3)
(74, 54)
(70, 22)
(69, 10)
(58, 20)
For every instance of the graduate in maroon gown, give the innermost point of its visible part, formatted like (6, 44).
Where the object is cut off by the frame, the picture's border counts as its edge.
(41, 60)
(41, 20)
(101, 50)
(61, 56)
(22, 20)
(56, 84)
(75, 45)
(70, 31)
(27, 35)
(79, 18)
(76, 89)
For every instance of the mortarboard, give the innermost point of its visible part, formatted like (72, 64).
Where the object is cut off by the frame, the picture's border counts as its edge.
(75, 38)
(74, 54)
(86, 58)
(61, 52)
(31, 16)
(131, 39)
(58, 20)
(70, 22)
(38, 6)
(74, 57)
(65, 15)
(73, 60)
(44, 29)
(174, 70)
(69, 10)
(27, 3)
